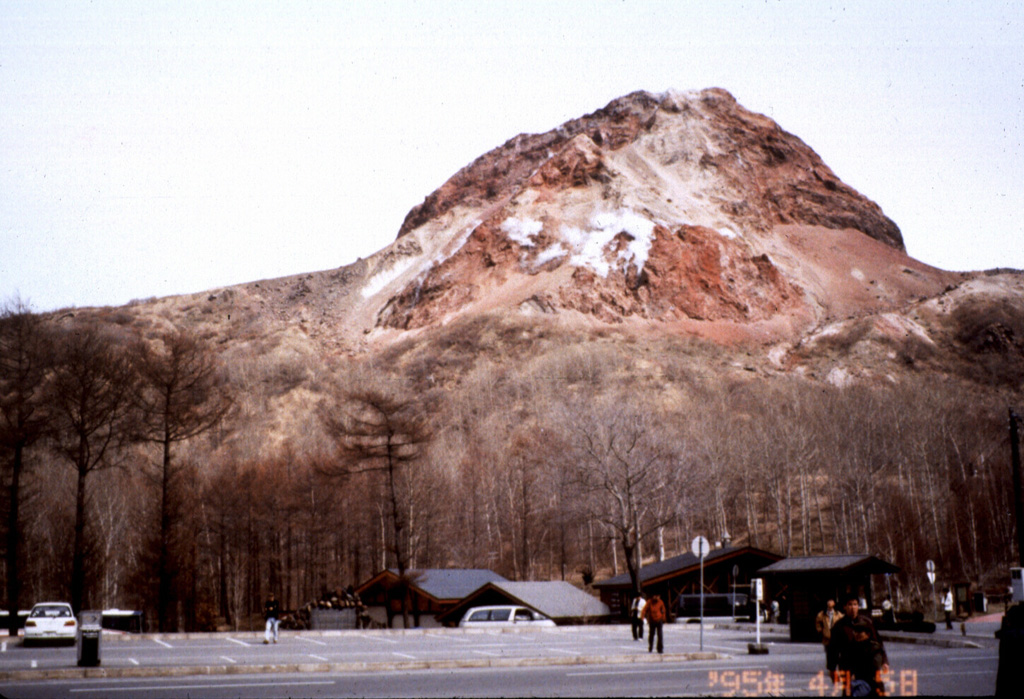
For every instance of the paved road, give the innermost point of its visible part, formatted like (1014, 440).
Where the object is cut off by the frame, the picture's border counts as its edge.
(579, 661)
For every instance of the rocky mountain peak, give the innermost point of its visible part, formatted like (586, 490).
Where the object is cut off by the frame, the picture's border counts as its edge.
(767, 176)
(660, 207)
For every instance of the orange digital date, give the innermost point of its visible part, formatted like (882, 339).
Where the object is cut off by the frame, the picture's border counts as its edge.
(753, 683)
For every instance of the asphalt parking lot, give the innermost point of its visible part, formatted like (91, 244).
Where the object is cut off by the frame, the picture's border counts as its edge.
(135, 655)
(565, 661)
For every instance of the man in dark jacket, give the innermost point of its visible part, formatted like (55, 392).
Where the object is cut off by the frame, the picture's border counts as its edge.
(272, 613)
(655, 615)
(856, 655)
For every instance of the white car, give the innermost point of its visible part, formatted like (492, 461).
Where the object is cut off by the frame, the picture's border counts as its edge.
(503, 616)
(50, 621)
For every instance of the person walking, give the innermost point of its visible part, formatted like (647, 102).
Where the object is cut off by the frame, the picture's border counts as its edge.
(824, 622)
(636, 614)
(856, 656)
(888, 612)
(947, 607)
(272, 613)
(655, 614)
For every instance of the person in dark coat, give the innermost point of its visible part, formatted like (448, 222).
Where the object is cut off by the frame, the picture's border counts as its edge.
(856, 656)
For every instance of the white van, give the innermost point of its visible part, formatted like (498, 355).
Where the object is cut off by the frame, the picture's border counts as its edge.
(504, 616)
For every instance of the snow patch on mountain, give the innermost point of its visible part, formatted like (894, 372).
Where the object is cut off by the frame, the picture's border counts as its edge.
(587, 245)
(521, 230)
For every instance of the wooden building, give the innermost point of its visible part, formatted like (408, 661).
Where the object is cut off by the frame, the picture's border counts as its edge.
(558, 600)
(432, 591)
(677, 577)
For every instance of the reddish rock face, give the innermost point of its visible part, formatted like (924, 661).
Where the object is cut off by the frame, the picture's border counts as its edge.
(655, 207)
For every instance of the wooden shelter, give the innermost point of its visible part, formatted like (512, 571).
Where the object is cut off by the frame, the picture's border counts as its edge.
(808, 582)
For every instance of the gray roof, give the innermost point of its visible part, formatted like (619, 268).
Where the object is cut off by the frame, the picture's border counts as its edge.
(842, 563)
(452, 583)
(652, 571)
(557, 599)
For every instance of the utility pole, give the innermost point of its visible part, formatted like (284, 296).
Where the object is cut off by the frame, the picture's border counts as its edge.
(1018, 490)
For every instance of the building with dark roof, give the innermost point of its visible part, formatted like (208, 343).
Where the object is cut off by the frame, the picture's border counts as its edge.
(808, 582)
(680, 575)
(432, 591)
(559, 600)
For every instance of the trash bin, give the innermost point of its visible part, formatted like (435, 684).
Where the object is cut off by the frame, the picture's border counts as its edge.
(90, 630)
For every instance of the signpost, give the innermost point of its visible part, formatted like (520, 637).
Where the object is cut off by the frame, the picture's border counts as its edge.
(757, 589)
(735, 574)
(701, 548)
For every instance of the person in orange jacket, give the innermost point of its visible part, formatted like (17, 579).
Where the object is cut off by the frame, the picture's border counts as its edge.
(655, 615)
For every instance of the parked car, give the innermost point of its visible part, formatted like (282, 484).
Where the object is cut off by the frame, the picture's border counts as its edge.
(504, 616)
(50, 621)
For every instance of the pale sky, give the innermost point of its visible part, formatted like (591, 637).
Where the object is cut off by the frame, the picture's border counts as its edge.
(159, 148)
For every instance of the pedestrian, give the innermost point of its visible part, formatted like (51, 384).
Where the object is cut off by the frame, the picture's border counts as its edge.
(636, 614)
(947, 607)
(654, 613)
(272, 613)
(888, 612)
(824, 622)
(773, 612)
(856, 656)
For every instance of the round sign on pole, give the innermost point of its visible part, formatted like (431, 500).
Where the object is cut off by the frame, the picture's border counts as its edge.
(700, 547)
(929, 565)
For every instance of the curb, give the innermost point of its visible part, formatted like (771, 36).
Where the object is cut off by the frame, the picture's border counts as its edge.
(937, 642)
(895, 637)
(295, 668)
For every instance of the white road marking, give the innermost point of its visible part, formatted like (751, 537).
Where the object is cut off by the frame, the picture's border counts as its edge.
(241, 643)
(310, 640)
(696, 647)
(982, 657)
(235, 685)
(3, 647)
(645, 671)
(133, 661)
(35, 664)
(224, 657)
(559, 650)
(483, 652)
(380, 638)
(317, 657)
(165, 645)
(446, 637)
(403, 655)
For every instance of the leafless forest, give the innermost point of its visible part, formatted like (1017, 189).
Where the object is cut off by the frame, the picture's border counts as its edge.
(163, 472)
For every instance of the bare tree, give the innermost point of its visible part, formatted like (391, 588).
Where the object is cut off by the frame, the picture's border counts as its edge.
(24, 359)
(180, 395)
(378, 430)
(91, 397)
(623, 459)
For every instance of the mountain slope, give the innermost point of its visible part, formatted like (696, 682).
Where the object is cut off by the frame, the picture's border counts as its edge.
(678, 215)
